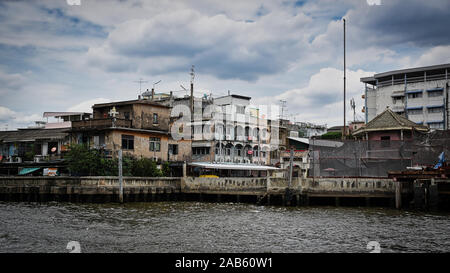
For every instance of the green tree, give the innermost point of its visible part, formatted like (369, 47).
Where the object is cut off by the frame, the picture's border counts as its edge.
(83, 161)
(331, 135)
(145, 167)
(166, 169)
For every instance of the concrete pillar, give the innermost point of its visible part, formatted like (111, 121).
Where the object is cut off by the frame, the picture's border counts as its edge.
(268, 199)
(297, 197)
(184, 169)
(398, 195)
(433, 196)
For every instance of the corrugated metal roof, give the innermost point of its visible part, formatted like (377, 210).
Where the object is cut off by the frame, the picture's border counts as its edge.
(24, 135)
(318, 142)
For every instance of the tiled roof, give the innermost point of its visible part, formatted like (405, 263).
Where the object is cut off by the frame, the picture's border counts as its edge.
(389, 120)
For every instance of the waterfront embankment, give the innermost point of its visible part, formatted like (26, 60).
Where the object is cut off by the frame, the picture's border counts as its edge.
(262, 190)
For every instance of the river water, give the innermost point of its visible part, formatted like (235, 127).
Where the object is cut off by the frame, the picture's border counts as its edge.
(217, 227)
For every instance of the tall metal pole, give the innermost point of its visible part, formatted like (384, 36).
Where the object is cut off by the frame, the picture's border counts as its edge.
(291, 163)
(120, 177)
(344, 131)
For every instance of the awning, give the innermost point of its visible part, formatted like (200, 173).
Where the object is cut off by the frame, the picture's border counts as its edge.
(435, 89)
(398, 94)
(27, 170)
(435, 106)
(414, 91)
(249, 167)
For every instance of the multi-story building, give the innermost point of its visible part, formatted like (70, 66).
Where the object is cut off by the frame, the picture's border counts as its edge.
(420, 94)
(141, 128)
(224, 129)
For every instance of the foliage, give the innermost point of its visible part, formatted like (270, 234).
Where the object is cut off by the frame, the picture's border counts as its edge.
(166, 169)
(84, 161)
(331, 135)
(145, 167)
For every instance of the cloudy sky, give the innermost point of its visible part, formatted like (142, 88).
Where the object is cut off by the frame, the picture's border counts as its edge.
(60, 57)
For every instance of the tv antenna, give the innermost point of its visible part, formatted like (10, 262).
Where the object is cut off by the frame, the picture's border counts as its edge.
(156, 83)
(140, 81)
(353, 106)
(192, 74)
(283, 105)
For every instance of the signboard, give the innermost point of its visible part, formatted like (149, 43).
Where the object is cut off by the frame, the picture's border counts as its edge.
(250, 152)
(50, 172)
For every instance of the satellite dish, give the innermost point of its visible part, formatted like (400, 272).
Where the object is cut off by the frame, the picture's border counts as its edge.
(53, 149)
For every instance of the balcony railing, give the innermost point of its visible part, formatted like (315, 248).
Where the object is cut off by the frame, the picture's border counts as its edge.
(101, 123)
(412, 80)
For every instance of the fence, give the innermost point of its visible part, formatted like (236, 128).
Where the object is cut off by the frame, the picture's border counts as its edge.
(369, 158)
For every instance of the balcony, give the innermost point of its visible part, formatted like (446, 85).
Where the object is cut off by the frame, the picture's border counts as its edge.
(100, 124)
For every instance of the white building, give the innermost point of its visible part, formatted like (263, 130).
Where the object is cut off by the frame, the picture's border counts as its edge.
(420, 94)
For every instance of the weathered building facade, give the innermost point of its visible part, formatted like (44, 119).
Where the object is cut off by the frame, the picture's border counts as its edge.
(140, 128)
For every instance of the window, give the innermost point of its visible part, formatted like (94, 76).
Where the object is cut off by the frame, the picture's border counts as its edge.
(155, 118)
(435, 110)
(155, 144)
(398, 99)
(126, 115)
(127, 142)
(200, 150)
(385, 141)
(436, 125)
(414, 95)
(415, 111)
(240, 109)
(173, 149)
(435, 93)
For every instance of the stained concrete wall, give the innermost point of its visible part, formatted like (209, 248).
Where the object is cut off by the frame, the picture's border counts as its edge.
(343, 187)
(91, 185)
(224, 185)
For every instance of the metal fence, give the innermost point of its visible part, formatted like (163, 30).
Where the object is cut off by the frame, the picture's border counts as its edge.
(361, 158)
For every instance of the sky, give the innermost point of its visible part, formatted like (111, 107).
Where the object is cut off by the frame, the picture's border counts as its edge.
(66, 55)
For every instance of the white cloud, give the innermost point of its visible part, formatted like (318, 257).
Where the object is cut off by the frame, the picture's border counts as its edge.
(86, 106)
(435, 55)
(321, 101)
(11, 119)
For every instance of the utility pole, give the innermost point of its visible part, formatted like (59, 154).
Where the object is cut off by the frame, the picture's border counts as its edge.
(120, 178)
(192, 92)
(343, 129)
(291, 163)
(283, 105)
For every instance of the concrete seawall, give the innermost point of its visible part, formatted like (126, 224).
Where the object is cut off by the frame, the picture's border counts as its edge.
(261, 190)
(85, 189)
